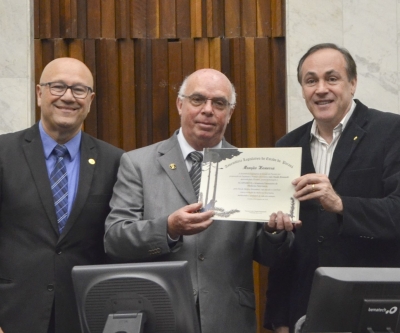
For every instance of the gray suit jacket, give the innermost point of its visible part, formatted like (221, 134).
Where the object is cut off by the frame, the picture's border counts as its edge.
(220, 258)
(35, 261)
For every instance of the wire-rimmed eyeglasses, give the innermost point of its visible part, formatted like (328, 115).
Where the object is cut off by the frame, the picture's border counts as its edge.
(219, 103)
(60, 88)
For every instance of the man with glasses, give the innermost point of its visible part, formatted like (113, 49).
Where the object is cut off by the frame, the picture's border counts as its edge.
(155, 215)
(55, 186)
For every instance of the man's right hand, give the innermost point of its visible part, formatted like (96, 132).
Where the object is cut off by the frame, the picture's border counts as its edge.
(188, 221)
(282, 329)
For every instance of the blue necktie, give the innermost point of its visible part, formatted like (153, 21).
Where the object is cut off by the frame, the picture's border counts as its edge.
(59, 186)
(195, 171)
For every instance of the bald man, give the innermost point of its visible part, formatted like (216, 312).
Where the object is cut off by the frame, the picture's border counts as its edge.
(47, 228)
(155, 215)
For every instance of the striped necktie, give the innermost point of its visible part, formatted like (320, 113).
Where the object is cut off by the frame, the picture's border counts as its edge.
(59, 186)
(195, 171)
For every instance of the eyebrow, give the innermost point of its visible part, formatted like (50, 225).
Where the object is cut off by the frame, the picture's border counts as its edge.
(198, 93)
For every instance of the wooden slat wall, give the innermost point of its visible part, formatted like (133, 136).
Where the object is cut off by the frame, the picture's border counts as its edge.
(140, 51)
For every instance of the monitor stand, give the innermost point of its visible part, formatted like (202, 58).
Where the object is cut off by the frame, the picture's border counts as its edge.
(132, 322)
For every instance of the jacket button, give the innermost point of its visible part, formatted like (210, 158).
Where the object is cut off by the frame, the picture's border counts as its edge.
(194, 292)
(320, 239)
(201, 257)
(50, 287)
(59, 252)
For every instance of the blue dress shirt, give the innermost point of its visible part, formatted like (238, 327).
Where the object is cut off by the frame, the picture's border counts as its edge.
(72, 161)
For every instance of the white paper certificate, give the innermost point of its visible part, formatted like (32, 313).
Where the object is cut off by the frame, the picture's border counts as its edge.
(249, 184)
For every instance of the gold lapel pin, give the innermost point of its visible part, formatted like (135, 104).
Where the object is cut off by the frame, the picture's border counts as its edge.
(92, 161)
(172, 166)
(355, 138)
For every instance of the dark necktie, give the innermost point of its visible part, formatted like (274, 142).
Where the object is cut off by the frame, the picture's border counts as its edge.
(195, 171)
(59, 186)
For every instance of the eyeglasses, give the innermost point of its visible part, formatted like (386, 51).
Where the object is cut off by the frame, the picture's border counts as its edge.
(59, 89)
(219, 103)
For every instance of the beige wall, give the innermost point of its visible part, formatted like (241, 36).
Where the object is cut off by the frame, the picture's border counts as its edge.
(16, 65)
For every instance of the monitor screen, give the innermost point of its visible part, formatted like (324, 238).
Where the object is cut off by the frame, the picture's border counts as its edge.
(350, 299)
(140, 297)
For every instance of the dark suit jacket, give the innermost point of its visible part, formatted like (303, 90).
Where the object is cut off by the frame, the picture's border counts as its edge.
(220, 258)
(35, 262)
(365, 172)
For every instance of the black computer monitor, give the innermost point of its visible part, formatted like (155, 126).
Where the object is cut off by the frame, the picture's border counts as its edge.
(348, 299)
(132, 298)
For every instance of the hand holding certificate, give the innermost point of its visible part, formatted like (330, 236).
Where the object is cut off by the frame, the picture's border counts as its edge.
(249, 184)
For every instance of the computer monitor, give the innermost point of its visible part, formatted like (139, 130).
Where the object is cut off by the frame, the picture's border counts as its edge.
(357, 300)
(135, 298)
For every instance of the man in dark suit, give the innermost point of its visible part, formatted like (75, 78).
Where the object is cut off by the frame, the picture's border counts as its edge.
(38, 246)
(349, 189)
(155, 214)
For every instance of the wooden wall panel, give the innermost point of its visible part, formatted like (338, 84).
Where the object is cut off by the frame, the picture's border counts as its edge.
(122, 15)
(249, 18)
(159, 89)
(89, 52)
(94, 19)
(107, 85)
(127, 93)
(138, 10)
(175, 78)
(250, 93)
(183, 22)
(81, 17)
(167, 18)
(140, 51)
(232, 18)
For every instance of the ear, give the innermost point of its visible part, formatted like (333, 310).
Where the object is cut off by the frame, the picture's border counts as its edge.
(39, 95)
(90, 103)
(230, 114)
(353, 84)
(179, 103)
(302, 92)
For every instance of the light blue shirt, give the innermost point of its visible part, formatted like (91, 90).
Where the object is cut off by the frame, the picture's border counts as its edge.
(72, 161)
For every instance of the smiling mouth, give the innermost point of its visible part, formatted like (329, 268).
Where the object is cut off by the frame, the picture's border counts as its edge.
(65, 108)
(323, 102)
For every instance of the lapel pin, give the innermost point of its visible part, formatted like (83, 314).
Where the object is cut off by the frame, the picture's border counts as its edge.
(172, 166)
(355, 138)
(92, 161)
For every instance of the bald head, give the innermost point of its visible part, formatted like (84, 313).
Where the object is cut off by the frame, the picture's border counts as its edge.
(67, 66)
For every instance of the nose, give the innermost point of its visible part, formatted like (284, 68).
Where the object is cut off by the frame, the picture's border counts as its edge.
(208, 108)
(68, 95)
(322, 87)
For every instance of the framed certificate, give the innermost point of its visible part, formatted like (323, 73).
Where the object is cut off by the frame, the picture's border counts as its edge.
(249, 184)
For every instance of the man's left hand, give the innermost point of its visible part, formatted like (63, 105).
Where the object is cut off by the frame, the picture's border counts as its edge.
(318, 186)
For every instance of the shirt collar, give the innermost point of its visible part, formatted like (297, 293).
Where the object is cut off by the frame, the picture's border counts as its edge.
(340, 126)
(49, 143)
(186, 147)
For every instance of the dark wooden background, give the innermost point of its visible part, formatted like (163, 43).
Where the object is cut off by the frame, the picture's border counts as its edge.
(139, 51)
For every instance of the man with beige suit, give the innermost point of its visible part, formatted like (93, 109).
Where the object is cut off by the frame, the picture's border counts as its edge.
(155, 215)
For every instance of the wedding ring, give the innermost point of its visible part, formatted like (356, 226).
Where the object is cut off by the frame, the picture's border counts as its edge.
(313, 187)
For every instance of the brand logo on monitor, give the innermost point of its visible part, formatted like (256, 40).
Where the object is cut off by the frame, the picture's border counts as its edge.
(392, 310)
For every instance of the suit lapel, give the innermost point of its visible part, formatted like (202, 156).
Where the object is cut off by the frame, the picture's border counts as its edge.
(171, 160)
(34, 154)
(86, 171)
(348, 142)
